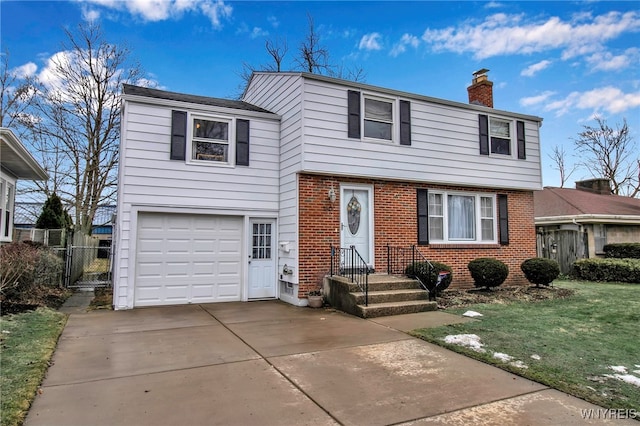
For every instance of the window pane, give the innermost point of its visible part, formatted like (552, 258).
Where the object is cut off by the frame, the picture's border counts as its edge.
(461, 217)
(436, 231)
(210, 151)
(378, 110)
(435, 204)
(486, 207)
(501, 146)
(375, 129)
(500, 129)
(210, 129)
(487, 229)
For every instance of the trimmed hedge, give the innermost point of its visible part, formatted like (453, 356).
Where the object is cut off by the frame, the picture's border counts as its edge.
(622, 251)
(621, 270)
(429, 276)
(488, 272)
(540, 271)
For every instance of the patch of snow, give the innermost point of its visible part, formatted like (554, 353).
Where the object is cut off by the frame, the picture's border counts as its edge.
(502, 357)
(628, 378)
(536, 357)
(472, 341)
(519, 364)
(619, 369)
(636, 372)
(472, 314)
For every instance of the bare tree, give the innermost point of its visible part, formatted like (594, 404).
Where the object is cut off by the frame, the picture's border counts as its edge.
(559, 159)
(79, 126)
(277, 50)
(612, 154)
(313, 58)
(18, 93)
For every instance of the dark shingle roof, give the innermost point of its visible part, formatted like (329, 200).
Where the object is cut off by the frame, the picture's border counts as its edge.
(129, 89)
(571, 202)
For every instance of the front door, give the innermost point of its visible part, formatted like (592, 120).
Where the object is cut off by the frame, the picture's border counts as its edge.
(356, 217)
(262, 259)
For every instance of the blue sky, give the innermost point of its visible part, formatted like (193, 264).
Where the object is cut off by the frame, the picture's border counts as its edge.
(564, 61)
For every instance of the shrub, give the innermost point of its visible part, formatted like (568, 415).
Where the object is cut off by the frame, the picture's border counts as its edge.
(622, 250)
(540, 271)
(488, 272)
(17, 263)
(621, 270)
(429, 275)
(48, 269)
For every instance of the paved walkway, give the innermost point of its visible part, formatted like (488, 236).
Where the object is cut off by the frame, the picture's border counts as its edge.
(270, 363)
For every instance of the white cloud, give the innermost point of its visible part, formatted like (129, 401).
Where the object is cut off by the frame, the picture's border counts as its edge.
(532, 70)
(493, 5)
(23, 71)
(534, 100)
(161, 10)
(370, 42)
(502, 34)
(90, 14)
(275, 23)
(607, 98)
(606, 61)
(401, 46)
(258, 32)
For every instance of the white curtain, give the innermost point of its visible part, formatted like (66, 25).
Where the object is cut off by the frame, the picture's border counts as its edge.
(461, 217)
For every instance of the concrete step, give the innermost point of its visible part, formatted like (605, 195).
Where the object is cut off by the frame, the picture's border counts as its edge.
(395, 308)
(401, 295)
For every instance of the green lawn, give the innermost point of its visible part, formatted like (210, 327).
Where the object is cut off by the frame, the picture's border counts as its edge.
(577, 340)
(27, 343)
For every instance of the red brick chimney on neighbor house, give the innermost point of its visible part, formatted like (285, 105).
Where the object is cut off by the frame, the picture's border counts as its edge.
(481, 89)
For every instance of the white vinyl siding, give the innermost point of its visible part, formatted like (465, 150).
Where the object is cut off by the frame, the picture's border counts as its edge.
(444, 145)
(149, 181)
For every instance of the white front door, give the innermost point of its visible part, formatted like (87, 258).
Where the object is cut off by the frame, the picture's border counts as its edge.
(356, 217)
(262, 259)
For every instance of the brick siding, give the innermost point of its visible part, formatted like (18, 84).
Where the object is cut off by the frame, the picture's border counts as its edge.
(395, 215)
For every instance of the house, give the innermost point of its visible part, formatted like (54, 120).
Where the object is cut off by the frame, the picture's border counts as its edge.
(576, 223)
(15, 163)
(223, 200)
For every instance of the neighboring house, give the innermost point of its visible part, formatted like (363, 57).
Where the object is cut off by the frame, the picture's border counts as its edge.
(15, 163)
(223, 200)
(577, 223)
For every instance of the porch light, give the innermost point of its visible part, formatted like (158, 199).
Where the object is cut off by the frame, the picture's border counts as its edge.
(332, 195)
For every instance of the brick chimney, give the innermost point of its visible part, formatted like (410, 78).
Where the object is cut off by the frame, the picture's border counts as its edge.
(600, 186)
(481, 89)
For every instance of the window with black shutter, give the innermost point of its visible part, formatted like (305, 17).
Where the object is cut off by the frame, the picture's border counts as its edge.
(178, 135)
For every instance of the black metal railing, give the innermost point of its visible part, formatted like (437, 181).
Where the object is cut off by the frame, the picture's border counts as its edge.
(348, 263)
(400, 258)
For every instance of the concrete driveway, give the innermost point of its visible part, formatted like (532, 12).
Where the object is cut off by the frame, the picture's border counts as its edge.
(270, 363)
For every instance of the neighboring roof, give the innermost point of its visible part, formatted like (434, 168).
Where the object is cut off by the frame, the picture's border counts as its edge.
(15, 158)
(563, 205)
(392, 92)
(129, 89)
(28, 213)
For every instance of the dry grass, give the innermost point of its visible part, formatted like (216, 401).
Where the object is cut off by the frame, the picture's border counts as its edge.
(453, 298)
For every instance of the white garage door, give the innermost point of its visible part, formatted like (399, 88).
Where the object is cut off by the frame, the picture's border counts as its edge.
(184, 258)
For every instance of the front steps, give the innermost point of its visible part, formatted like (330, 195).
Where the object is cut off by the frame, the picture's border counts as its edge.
(388, 295)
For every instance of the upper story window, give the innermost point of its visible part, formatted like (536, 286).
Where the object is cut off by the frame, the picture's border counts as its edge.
(216, 140)
(378, 119)
(210, 140)
(500, 134)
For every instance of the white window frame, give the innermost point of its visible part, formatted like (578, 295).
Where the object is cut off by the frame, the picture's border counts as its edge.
(478, 196)
(7, 201)
(511, 138)
(394, 118)
(231, 142)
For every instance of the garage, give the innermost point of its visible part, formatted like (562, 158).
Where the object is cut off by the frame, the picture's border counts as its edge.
(187, 258)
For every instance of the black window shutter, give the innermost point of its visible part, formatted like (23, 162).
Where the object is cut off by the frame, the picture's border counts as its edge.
(178, 135)
(423, 216)
(242, 142)
(503, 219)
(522, 150)
(405, 123)
(353, 107)
(483, 122)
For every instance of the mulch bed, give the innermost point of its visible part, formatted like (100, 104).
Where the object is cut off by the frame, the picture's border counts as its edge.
(453, 298)
(51, 297)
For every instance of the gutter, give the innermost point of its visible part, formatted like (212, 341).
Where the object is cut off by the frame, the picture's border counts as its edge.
(588, 218)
